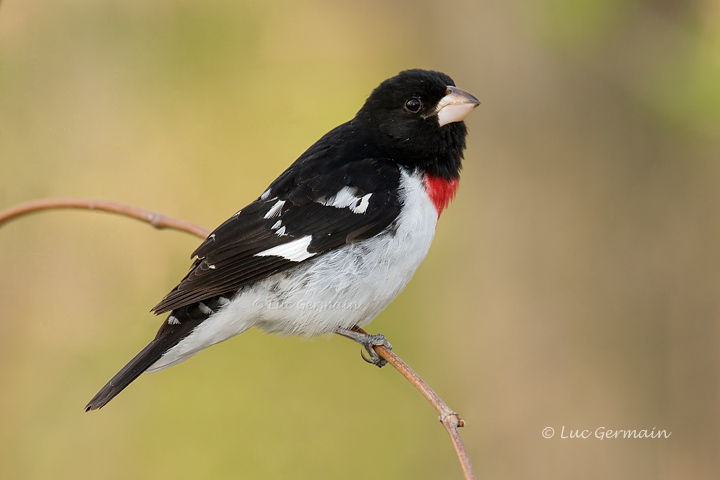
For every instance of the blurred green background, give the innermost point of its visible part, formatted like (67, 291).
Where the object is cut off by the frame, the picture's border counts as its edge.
(574, 282)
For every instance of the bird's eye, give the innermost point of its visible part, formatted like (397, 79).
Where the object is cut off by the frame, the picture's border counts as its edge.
(413, 105)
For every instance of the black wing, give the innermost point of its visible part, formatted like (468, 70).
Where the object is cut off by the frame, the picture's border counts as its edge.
(297, 205)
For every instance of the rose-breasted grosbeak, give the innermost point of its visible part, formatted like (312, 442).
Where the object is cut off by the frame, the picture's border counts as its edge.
(333, 240)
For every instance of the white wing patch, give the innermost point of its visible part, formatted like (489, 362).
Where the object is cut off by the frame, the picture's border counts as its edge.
(265, 195)
(205, 309)
(347, 198)
(275, 210)
(295, 251)
(279, 228)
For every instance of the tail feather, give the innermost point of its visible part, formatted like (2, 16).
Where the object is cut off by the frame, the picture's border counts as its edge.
(130, 372)
(179, 325)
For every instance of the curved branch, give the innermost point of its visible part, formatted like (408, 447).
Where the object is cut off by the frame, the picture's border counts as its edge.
(155, 219)
(450, 420)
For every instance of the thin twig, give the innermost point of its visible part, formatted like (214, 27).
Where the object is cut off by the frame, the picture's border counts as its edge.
(450, 420)
(155, 219)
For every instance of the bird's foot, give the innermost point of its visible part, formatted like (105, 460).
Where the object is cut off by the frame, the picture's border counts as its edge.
(368, 341)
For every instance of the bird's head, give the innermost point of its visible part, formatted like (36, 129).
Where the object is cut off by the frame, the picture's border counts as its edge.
(417, 119)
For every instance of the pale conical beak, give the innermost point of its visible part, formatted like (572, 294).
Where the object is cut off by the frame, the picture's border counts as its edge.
(455, 105)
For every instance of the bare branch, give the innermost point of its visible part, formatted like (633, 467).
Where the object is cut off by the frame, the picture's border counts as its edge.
(450, 420)
(155, 219)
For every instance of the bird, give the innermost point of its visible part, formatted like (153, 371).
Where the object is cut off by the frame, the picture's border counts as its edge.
(333, 240)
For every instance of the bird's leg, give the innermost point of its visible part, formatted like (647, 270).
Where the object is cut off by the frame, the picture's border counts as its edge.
(368, 341)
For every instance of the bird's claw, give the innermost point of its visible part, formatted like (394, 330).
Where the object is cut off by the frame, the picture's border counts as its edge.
(371, 341)
(368, 341)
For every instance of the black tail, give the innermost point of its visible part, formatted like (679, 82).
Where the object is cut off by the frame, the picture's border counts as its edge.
(184, 321)
(130, 372)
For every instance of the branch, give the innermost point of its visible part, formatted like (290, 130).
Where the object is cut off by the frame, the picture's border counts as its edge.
(450, 420)
(155, 219)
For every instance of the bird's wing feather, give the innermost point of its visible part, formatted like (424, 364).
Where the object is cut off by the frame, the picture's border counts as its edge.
(317, 210)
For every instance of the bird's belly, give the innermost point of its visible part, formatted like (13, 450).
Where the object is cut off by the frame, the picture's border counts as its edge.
(353, 284)
(348, 287)
(342, 288)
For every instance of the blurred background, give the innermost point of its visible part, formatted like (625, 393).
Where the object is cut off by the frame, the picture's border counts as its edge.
(574, 283)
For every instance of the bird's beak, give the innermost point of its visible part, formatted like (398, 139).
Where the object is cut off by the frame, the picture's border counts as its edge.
(455, 105)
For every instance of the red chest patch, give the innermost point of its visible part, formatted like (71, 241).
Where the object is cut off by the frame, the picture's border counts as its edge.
(440, 191)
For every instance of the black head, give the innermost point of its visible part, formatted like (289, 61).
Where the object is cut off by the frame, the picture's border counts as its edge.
(416, 119)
